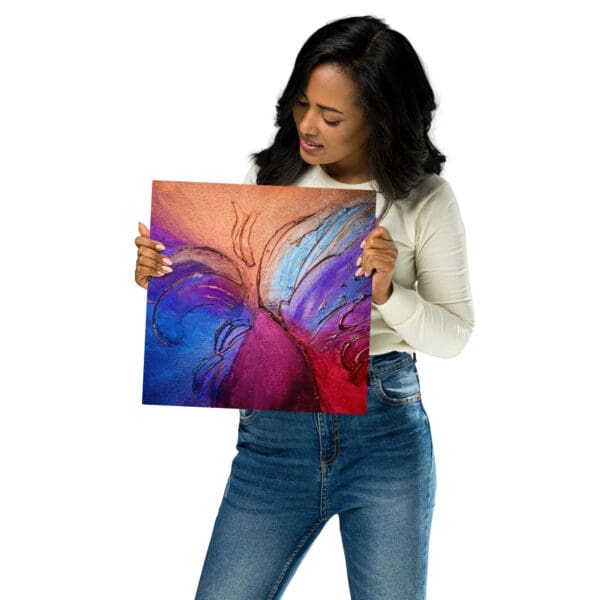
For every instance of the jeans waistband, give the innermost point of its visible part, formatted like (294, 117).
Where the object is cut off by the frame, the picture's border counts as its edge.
(383, 363)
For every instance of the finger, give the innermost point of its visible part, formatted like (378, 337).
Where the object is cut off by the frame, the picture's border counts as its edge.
(383, 263)
(379, 232)
(379, 244)
(142, 271)
(145, 241)
(389, 251)
(152, 264)
(154, 255)
(144, 238)
(382, 232)
(143, 229)
(364, 262)
(141, 280)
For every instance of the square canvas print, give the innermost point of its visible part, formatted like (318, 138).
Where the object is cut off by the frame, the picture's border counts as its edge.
(262, 309)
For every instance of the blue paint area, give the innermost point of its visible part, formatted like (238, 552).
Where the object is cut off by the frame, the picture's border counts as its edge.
(315, 239)
(312, 282)
(198, 317)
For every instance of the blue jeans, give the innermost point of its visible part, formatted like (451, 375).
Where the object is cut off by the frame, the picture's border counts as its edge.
(294, 470)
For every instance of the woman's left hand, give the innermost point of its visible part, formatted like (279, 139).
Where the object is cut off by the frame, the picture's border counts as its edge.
(378, 259)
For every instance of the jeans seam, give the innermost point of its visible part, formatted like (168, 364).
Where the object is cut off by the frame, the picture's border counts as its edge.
(323, 507)
(292, 557)
(399, 402)
(430, 500)
(427, 531)
(336, 439)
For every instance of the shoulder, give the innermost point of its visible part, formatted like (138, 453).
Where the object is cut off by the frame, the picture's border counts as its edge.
(426, 203)
(438, 216)
(432, 203)
(434, 193)
(251, 174)
(429, 208)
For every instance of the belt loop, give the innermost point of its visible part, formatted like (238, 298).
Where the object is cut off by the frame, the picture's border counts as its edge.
(414, 357)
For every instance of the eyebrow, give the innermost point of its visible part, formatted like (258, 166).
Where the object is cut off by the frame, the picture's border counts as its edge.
(335, 110)
(323, 107)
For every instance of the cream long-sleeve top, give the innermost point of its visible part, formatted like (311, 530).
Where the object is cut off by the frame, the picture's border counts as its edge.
(430, 309)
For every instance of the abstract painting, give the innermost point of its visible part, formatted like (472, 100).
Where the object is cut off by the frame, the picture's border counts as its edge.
(262, 309)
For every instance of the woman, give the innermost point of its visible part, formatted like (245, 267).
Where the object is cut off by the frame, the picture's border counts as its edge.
(355, 114)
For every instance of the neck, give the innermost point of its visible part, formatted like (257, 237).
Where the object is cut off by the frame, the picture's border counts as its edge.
(348, 174)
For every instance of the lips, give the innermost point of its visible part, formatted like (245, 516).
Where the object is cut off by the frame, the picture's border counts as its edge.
(309, 146)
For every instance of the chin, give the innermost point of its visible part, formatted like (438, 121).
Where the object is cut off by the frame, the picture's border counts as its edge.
(311, 160)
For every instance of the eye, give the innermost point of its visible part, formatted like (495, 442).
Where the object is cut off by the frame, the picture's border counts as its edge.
(301, 102)
(332, 123)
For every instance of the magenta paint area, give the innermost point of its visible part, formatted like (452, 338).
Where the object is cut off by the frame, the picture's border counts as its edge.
(262, 309)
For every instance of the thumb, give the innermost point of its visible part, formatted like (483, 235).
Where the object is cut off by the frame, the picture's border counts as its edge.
(143, 229)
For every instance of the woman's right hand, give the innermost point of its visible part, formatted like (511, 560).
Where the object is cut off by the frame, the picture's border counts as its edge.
(150, 262)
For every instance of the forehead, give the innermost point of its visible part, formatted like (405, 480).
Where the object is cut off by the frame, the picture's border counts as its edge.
(329, 85)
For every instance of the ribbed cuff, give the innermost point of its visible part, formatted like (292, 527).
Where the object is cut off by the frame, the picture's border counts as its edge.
(399, 307)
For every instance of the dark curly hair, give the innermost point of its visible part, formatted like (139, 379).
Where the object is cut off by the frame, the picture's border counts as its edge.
(396, 99)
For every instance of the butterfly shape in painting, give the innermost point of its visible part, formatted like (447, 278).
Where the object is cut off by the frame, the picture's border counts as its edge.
(281, 325)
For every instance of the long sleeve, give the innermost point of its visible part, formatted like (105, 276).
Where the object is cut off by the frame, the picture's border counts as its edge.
(437, 317)
(251, 174)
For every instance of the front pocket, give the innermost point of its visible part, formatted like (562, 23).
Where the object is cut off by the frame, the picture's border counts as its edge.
(398, 387)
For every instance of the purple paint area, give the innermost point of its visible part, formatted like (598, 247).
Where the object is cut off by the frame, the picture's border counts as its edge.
(270, 371)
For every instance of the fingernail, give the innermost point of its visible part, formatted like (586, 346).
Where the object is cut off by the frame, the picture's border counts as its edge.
(358, 273)
(167, 269)
(362, 244)
(358, 261)
(160, 247)
(167, 261)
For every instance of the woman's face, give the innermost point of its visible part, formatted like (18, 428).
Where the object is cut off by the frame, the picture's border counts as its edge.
(331, 125)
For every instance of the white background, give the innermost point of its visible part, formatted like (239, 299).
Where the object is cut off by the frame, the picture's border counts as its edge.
(103, 498)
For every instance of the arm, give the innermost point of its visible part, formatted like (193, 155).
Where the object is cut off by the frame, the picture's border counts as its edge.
(438, 317)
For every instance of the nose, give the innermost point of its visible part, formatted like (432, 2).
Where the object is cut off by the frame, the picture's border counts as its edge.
(307, 125)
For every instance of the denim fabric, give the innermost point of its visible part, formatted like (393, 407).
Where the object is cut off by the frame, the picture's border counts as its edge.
(294, 470)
